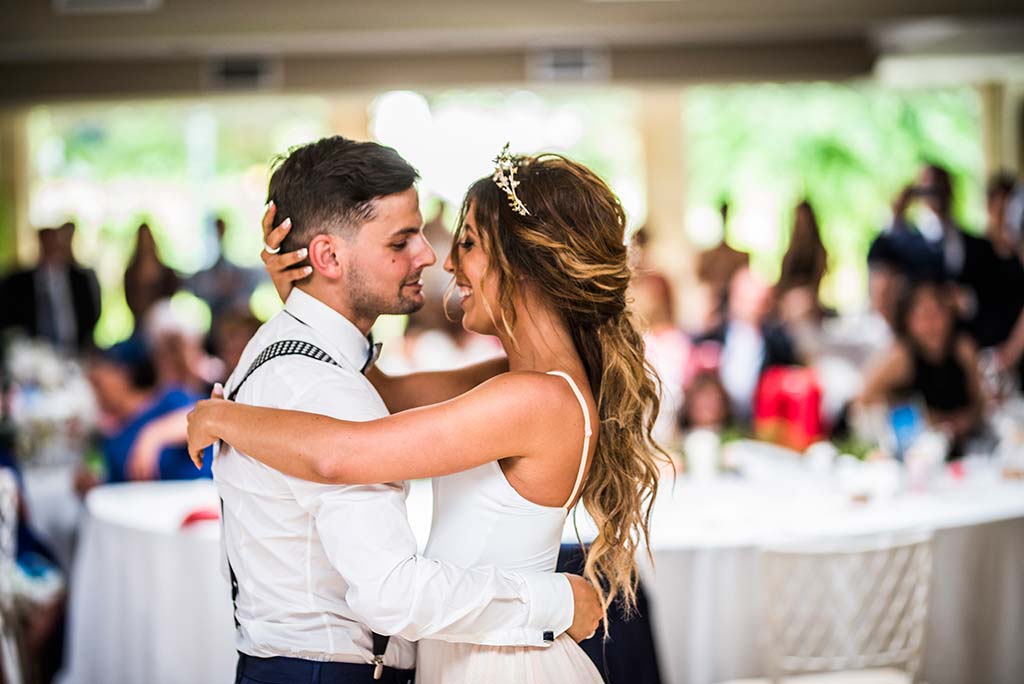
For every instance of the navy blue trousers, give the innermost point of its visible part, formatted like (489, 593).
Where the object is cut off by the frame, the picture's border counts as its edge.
(283, 670)
(628, 657)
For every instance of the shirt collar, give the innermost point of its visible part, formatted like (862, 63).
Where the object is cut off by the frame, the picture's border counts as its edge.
(340, 332)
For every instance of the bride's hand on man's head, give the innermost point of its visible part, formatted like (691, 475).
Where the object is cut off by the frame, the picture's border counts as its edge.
(200, 425)
(281, 266)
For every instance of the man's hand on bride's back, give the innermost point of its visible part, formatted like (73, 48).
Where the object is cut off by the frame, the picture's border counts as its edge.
(281, 266)
(587, 611)
(200, 425)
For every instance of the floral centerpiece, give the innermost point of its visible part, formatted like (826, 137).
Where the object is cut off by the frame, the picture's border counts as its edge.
(50, 408)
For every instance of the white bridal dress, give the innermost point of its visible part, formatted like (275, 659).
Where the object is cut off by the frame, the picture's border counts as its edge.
(480, 519)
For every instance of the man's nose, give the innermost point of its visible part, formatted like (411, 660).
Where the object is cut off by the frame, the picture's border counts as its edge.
(427, 256)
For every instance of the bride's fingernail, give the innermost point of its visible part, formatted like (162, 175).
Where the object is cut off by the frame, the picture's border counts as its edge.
(307, 270)
(266, 207)
(303, 252)
(287, 223)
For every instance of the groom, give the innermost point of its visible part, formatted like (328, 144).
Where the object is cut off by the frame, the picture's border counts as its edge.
(320, 572)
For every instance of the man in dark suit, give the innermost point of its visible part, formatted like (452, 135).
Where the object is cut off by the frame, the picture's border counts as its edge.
(58, 300)
(989, 285)
(748, 341)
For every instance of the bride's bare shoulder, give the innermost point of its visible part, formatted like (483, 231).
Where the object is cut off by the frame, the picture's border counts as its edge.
(534, 391)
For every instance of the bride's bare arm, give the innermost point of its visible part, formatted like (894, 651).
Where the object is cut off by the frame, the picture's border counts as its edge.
(404, 392)
(510, 415)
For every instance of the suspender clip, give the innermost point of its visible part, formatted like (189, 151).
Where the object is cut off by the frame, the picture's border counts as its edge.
(378, 666)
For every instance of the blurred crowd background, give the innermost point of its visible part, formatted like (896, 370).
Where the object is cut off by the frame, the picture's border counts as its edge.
(827, 211)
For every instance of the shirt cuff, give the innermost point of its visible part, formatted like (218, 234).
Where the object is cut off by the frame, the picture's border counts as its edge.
(551, 605)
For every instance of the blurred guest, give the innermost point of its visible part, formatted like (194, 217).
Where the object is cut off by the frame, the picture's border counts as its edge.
(147, 279)
(706, 404)
(749, 341)
(175, 347)
(947, 244)
(58, 300)
(42, 609)
(796, 293)
(1003, 225)
(230, 333)
(666, 345)
(934, 247)
(1014, 219)
(999, 319)
(887, 278)
(224, 285)
(716, 267)
(125, 383)
(649, 289)
(930, 360)
(968, 261)
(805, 260)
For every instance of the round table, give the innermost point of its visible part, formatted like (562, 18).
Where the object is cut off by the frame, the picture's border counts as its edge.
(148, 601)
(703, 588)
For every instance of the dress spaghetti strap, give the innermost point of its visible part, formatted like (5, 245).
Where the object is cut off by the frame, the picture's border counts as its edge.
(587, 432)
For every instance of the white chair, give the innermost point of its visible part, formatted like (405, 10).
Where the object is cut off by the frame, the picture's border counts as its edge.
(851, 611)
(10, 658)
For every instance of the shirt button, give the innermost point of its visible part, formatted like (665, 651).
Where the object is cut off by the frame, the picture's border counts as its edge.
(549, 636)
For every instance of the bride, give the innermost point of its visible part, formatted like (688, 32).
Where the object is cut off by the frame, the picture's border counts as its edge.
(539, 260)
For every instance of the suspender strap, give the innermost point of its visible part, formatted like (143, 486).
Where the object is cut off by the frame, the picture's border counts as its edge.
(284, 348)
(309, 350)
(231, 573)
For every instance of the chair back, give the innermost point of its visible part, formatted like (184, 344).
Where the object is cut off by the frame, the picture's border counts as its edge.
(8, 535)
(850, 604)
(10, 656)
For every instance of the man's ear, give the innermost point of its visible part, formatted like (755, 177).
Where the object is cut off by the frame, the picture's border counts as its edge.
(325, 256)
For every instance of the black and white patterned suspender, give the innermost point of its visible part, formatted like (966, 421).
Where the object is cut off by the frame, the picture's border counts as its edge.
(309, 350)
(284, 348)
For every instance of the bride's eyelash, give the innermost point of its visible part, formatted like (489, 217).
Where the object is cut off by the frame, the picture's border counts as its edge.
(466, 244)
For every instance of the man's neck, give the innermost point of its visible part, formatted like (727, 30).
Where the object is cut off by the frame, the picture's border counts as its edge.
(329, 295)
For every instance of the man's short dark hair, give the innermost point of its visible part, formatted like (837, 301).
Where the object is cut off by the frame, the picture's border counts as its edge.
(329, 186)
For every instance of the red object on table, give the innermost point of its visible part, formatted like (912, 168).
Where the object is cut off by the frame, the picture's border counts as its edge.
(956, 470)
(787, 407)
(200, 515)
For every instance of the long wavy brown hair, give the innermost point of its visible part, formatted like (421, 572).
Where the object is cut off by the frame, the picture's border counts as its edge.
(571, 249)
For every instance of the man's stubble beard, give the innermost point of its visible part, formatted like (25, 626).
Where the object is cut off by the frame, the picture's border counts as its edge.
(369, 303)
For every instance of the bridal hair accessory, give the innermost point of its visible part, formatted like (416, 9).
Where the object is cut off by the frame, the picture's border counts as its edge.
(505, 167)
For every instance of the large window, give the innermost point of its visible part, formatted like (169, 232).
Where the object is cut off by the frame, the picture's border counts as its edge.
(847, 149)
(176, 166)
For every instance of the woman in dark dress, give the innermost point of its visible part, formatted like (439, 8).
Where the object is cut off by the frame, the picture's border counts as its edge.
(932, 361)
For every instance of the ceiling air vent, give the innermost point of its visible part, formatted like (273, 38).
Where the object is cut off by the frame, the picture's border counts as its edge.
(241, 73)
(580, 64)
(104, 6)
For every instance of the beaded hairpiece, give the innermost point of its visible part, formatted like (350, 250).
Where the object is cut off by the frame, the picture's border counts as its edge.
(505, 167)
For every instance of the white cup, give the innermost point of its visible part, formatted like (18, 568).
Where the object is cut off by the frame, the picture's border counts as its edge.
(701, 449)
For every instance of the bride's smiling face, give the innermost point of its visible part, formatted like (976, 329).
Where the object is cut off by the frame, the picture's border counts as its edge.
(475, 286)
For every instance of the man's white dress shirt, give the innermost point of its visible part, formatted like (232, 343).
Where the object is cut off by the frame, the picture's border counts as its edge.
(742, 358)
(319, 566)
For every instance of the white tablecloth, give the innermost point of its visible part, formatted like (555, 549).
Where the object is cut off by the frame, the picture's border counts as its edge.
(54, 507)
(149, 603)
(703, 588)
